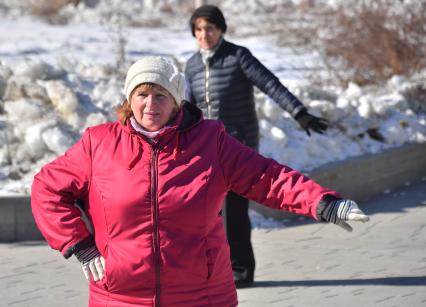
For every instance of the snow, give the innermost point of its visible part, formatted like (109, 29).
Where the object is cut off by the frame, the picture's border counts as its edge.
(56, 80)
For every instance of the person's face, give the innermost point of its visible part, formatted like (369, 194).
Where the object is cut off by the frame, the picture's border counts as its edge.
(152, 106)
(206, 33)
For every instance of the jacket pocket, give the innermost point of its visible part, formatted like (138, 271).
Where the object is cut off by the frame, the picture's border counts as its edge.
(124, 268)
(217, 259)
(104, 281)
(210, 263)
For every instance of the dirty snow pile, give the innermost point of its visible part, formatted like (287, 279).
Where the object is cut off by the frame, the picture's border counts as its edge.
(57, 80)
(363, 120)
(46, 108)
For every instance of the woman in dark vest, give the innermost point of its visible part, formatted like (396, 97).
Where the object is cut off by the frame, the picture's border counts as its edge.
(221, 77)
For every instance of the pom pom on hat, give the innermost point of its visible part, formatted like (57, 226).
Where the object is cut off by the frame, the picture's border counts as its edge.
(157, 70)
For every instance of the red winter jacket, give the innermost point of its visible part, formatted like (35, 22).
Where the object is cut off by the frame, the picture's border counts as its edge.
(155, 208)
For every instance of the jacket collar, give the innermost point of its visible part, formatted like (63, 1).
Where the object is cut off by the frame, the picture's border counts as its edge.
(220, 48)
(188, 117)
(207, 54)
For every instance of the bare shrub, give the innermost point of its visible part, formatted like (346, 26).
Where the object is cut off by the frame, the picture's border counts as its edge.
(415, 94)
(173, 12)
(363, 43)
(49, 8)
(114, 24)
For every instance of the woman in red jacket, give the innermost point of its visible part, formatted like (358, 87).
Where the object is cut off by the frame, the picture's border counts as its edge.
(152, 185)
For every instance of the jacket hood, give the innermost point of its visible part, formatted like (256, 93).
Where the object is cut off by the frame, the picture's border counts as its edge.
(192, 115)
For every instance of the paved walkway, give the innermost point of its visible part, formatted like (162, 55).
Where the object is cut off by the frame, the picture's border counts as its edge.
(381, 263)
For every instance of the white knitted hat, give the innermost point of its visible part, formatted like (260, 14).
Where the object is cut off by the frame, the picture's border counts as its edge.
(158, 70)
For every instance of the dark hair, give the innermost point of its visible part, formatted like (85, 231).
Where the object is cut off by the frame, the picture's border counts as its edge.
(213, 15)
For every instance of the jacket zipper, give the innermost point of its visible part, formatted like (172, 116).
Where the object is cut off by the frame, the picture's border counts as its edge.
(154, 167)
(206, 88)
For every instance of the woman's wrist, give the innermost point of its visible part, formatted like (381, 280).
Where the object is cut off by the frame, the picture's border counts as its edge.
(85, 250)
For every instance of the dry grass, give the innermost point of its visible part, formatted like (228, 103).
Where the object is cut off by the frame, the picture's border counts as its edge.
(49, 8)
(365, 44)
(356, 43)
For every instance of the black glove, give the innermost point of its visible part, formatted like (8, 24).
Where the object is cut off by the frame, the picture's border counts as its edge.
(308, 121)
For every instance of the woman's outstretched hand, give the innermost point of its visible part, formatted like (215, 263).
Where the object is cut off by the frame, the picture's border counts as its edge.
(341, 211)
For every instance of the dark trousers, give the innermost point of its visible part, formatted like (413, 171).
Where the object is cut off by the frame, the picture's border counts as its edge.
(238, 230)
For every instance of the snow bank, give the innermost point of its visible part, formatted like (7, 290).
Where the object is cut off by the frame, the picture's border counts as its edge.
(47, 108)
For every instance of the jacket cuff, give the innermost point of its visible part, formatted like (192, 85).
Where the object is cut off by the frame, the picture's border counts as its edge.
(299, 110)
(82, 245)
(324, 206)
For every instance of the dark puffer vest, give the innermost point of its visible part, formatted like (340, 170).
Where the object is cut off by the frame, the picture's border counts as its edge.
(223, 90)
